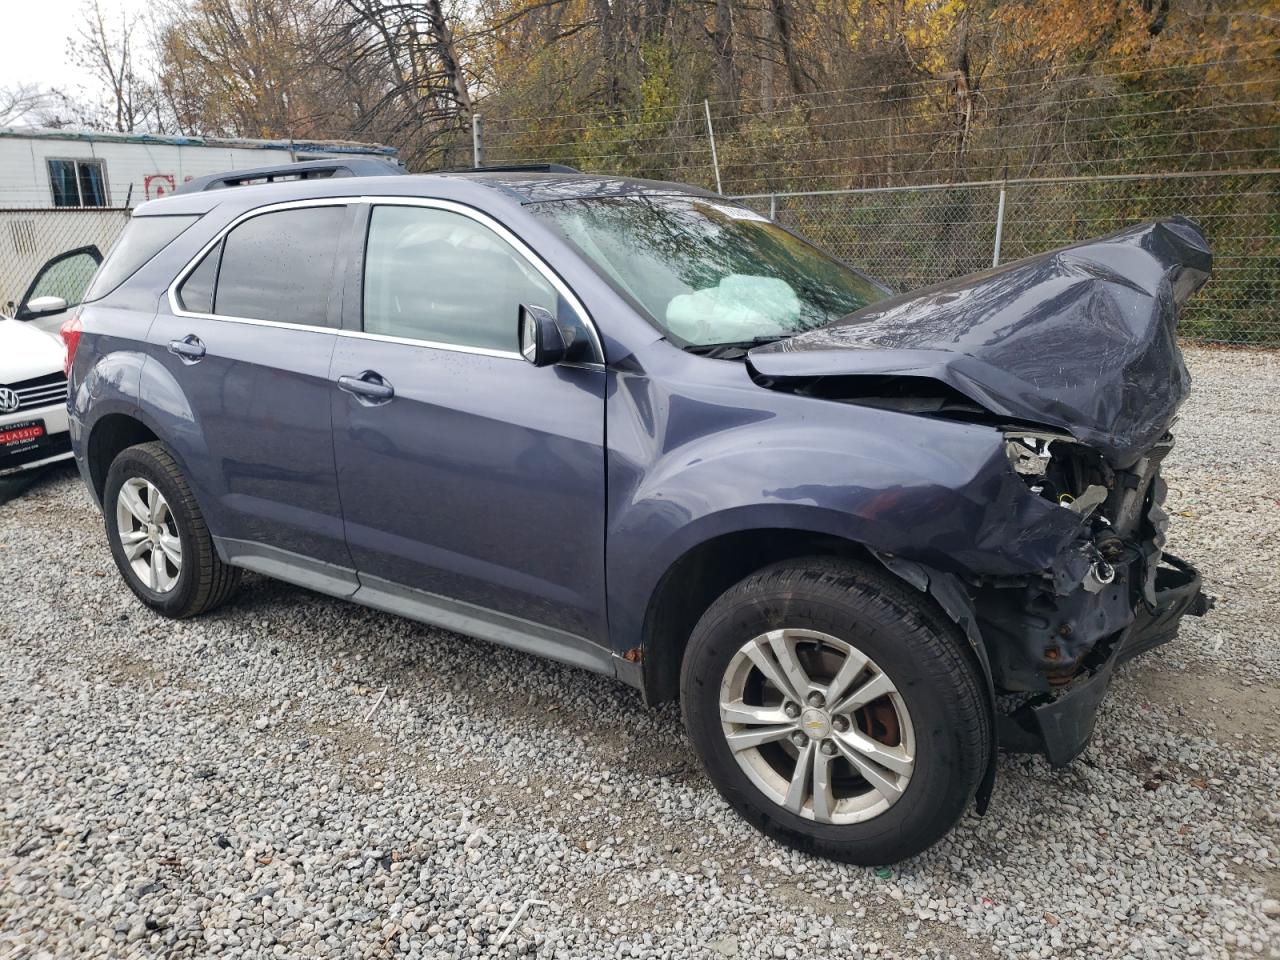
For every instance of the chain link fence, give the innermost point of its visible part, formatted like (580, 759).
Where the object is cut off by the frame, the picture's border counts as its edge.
(31, 236)
(911, 237)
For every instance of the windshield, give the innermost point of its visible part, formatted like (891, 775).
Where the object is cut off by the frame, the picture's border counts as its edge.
(709, 271)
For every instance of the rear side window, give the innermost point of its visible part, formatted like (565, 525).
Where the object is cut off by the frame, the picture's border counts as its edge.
(142, 239)
(280, 266)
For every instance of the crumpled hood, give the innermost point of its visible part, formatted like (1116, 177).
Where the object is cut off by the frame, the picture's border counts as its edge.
(1080, 338)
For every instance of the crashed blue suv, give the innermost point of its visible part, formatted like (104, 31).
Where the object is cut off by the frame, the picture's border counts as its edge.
(866, 539)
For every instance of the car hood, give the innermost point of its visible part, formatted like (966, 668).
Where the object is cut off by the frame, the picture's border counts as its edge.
(1080, 339)
(27, 351)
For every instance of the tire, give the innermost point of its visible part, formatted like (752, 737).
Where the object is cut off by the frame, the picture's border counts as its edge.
(932, 730)
(198, 580)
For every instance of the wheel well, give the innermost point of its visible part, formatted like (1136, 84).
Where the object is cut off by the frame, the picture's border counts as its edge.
(694, 582)
(112, 434)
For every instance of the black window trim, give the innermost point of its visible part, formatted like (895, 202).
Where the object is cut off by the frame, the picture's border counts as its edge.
(361, 206)
(217, 248)
(106, 184)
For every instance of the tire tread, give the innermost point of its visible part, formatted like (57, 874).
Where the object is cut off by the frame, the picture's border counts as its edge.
(940, 654)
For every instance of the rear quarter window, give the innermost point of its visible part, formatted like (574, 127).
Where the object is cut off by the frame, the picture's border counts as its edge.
(196, 292)
(142, 239)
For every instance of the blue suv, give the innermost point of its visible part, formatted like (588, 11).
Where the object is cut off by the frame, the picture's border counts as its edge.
(644, 430)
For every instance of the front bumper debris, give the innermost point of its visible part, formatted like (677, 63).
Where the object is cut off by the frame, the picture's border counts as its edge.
(1059, 725)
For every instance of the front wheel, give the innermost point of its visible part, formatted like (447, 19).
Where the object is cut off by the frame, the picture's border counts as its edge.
(836, 710)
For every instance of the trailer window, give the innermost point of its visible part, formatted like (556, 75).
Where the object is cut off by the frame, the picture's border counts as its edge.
(78, 183)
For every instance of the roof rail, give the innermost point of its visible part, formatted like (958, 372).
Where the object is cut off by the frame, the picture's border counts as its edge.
(514, 168)
(303, 170)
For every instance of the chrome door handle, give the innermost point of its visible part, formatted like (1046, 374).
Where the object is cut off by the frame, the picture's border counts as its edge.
(189, 348)
(368, 387)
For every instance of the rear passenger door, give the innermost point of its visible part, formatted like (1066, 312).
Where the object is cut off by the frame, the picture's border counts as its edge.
(465, 472)
(249, 341)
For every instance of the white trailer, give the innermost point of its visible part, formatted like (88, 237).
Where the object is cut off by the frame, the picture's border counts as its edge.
(67, 189)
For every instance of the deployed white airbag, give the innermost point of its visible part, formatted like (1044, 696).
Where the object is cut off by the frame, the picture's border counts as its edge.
(740, 307)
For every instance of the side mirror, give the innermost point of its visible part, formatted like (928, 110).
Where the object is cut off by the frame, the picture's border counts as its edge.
(541, 339)
(41, 306)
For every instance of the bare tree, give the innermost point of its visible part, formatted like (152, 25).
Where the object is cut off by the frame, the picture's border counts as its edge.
(109, 53)
(407, 54)
(21, 102)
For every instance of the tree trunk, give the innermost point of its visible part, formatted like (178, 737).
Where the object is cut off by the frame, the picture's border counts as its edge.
(726, 79)
(783, 23)
(767, 53)
(448, 54)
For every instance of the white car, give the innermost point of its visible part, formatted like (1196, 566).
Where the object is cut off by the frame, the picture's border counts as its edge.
(33, 385)
(33, 398)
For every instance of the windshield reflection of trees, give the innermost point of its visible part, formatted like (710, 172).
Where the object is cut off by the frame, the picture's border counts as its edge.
(694, 243)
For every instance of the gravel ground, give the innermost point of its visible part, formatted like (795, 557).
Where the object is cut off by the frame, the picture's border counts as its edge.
(217, 786)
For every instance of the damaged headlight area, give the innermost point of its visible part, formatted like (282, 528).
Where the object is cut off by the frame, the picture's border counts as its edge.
(1111, 593)
(1041, 629)
(1059, 469)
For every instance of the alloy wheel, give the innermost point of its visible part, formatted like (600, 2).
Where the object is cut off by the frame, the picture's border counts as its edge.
(148, 534)
(817, 726)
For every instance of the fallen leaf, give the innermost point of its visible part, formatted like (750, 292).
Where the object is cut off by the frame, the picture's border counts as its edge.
(1050, 919)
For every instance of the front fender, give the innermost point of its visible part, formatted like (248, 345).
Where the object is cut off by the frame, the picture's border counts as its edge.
(690, 460)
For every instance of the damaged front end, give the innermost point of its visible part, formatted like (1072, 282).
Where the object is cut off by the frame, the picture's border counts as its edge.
(1073, 357)
(1111, 594)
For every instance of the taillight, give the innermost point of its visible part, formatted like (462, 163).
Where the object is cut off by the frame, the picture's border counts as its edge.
(70, 333)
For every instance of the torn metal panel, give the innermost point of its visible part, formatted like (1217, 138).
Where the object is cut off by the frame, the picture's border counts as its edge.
(1060, 724)
(1081, 338)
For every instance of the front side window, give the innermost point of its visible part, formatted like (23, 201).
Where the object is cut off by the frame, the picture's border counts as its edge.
(280, 266)
(708, 271)
(441, 277)
(78, 183)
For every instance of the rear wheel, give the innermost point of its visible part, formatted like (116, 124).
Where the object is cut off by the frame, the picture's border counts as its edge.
(836, 709)
(158, 536)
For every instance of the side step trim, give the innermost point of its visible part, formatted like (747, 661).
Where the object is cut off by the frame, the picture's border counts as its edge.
(476, 621)
(429, 608)
(286, 565)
